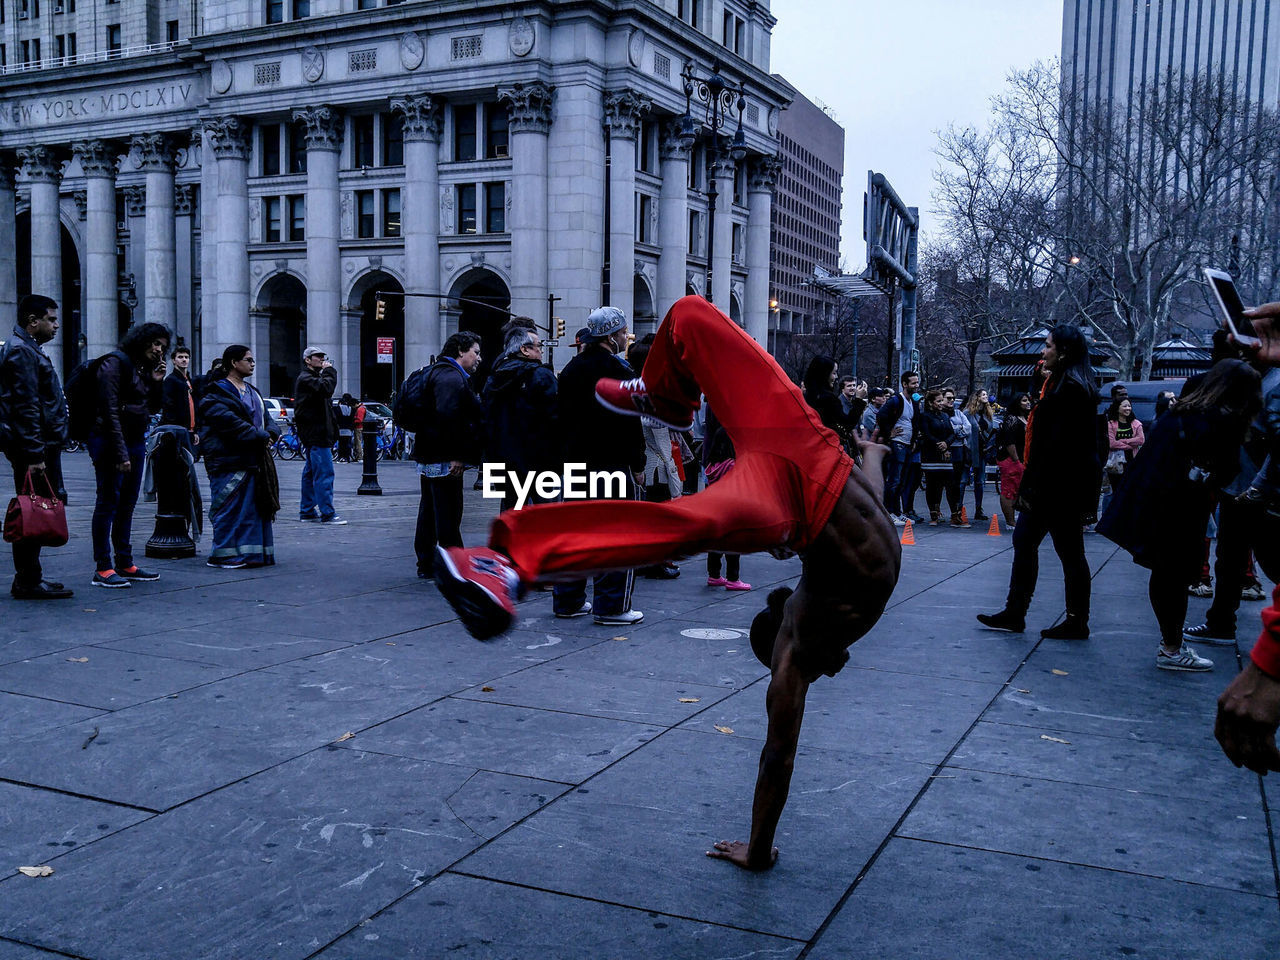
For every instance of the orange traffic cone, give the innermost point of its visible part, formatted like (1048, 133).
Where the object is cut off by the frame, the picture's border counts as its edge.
(994, 529)
(964, 514)
(908, 535)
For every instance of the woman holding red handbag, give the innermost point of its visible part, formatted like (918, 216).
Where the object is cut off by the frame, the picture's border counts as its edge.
(34, 413)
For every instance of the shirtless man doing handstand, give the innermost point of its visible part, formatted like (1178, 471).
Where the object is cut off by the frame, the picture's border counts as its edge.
(791, 489)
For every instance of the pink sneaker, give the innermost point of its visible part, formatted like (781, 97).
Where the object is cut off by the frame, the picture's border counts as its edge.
(737, 585)
(631, 397)
(481, 586)
(716, 581)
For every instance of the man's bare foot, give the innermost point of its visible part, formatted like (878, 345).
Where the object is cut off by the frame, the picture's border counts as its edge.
(735, 851)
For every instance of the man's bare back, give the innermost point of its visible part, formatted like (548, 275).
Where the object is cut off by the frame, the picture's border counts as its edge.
(847, 577)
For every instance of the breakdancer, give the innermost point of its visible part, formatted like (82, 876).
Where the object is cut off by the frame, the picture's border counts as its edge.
(792, 488)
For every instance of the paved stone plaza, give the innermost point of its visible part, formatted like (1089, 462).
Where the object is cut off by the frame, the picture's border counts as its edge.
(315, 760)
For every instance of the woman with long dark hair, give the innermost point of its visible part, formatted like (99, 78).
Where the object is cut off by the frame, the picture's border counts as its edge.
(1124, 440)
(235, 437)
(936, 436)
(981, 416)
(819, 385)
(1159, 513)
(1058, 493)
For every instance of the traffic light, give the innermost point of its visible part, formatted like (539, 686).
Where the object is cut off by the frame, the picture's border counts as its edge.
(559, 328)
(380, 310)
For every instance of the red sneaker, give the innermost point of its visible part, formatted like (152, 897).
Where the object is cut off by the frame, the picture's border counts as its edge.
(631, 397)
(481, 586)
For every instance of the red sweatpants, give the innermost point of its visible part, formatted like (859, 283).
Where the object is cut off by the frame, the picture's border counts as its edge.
(788, 472)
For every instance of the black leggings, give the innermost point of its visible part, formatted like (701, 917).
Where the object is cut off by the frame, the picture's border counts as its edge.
(1168, 593)
(732, 565)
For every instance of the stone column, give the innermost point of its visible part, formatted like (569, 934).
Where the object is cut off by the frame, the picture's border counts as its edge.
(324, 267)
(529, 106)
(673, 216)
(8, 227)
(156, 158)
(100, 297)
(349, 322)
(44, 173)
(231, 268)
(623, 113)
(184, 202)
(761, 177)
(260, 343)
(722, 260)
(420, 226)
(202, 140)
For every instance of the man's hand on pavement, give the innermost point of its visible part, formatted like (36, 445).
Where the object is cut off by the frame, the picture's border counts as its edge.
(1248, 714)
(735, 851)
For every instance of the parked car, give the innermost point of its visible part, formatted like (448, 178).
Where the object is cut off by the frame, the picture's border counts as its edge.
(281, 408)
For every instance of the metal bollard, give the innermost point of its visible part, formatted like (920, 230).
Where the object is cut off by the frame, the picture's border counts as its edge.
(173, 500)
(369, 482)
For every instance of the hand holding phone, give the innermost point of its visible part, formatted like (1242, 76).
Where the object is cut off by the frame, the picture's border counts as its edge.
(1233, 313)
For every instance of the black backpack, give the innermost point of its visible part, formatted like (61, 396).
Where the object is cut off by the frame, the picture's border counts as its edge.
(81, 391)
(414, 405)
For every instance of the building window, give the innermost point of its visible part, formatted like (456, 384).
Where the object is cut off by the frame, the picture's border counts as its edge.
(392, 140)
(297, 148)
(301, 8)
(464, 132)
(694, 246)
(364, 213)
(647, 148)
(60, 46)
(466, 48)
(733, 32)
(496, 135)
(71, 45)
(366, 4)
(113, 41)
(690, 11)
(466, 193)
(391, 213)
(275, 11)
(644, 218)
(271, 219)
(362, 141)
(495, 208)
(737, 243)
(269, 135)
(297, 217)
(171, 31)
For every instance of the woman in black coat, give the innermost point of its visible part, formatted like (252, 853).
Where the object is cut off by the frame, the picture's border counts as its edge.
(936, 436)
(1059, 489)
(1159, 513)
(235, 434)
(819, 391)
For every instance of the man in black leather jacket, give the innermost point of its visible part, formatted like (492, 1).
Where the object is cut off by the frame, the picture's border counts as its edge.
(33, 415)
(317, 428)
(452, 441)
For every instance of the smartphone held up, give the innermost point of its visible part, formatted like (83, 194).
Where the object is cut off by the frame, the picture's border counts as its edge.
(1228, 300)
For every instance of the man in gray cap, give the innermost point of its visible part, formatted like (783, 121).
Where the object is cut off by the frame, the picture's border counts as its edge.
(603, 440)
(317, 428)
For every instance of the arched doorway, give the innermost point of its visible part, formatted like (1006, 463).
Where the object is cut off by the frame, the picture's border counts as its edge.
(70, 305)
(484, 302)
(284, 299)
(644, 319)
(735, 309)
(379, 380)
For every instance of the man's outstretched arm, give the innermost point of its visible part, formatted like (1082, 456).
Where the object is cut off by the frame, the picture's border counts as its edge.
(785, 704)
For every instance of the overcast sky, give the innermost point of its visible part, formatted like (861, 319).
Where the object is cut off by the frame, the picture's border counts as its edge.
(896, 73)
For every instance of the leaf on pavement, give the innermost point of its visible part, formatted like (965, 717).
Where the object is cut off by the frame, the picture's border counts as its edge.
(724, 729)
(77, 659)
(619, 638)
(690, 699)
(1045, 736)
(1020, 690)
(90, 609)
(390, 644)
(346, 736)
(1061, 673)
(486, 689)
(41, 871)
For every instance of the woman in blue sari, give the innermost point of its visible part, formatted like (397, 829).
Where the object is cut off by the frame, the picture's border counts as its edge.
(235, 439)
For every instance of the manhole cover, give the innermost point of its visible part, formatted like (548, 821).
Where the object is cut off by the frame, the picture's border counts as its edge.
(709, 633)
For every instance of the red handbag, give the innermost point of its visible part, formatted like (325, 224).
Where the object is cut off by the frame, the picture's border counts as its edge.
(36, 519)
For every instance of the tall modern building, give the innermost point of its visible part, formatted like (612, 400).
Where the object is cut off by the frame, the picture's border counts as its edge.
(806, 218)
(257, 171)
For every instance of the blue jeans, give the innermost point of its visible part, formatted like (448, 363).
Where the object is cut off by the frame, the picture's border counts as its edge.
(117, 495)
(317, 483)
(895, 465)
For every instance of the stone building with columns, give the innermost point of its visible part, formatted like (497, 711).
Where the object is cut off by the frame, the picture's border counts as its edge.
(260, 175)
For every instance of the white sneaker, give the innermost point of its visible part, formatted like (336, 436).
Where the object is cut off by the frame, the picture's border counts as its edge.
(1186, 659)
(625, 619)
(582, 611)
(898, 520)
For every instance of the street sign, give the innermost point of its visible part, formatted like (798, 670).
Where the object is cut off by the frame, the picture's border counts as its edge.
(386, 349)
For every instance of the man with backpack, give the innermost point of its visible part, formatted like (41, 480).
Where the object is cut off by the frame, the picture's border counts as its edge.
(897, 421)
(521, 408)
(317, 427)
(33, 418)
(127, 385)
(441, 407)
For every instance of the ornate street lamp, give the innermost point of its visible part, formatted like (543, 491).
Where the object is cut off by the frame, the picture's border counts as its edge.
(716, 98)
